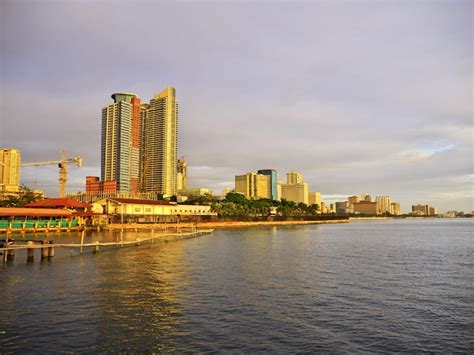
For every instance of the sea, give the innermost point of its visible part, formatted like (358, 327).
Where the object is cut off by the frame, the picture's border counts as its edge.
(381, 286)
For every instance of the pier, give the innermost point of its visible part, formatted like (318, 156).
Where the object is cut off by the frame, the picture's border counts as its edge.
(9, 246)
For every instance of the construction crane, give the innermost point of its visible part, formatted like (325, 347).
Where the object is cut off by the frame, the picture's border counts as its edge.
(62, 165)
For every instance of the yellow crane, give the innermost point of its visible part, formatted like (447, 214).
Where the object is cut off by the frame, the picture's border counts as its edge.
(62, 165)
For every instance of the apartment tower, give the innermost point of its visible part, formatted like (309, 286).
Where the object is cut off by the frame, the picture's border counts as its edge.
(120, 143)
(160, 143)
(10, 160)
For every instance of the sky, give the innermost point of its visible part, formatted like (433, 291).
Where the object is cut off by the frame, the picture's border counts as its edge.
(359, 96)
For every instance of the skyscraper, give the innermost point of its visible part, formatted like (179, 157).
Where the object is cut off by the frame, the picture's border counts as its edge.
(273, 182)
(10, 160)
(121, 141)
(182, 175)
(384, 204)
(253, 186)
(160, 143)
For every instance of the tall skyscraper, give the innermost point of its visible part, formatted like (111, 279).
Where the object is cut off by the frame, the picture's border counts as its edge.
(160, 143)
(273, 182)
(121, 142)
(10, 161)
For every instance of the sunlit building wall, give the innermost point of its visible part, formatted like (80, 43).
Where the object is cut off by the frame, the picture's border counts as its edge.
(253, 186)
(272, 174)
(395, 208)
(10, 161)
(295, 192)
(294, 177)
(314, 198)
(384, 204)
(160, 146)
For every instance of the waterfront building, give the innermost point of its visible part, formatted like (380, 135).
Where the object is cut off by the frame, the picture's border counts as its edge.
(314, 198)
(365, 207)
(352, 199)
(395, 208)
(10, 161)
(253, 186)
(341, 207)
(432, 211)
(295, 192)
(182, 175)
(294, 177)
(324, 208)
(366, 197)
(423, 210)
(295, 189)
(120, 142)
(384, 204)
(160, 143)
(151, 211)
(273, 182)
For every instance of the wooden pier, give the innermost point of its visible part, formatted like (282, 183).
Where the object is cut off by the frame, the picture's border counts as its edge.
(9, 245)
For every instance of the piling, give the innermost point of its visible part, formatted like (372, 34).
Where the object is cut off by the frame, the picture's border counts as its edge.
(96, 247)
(44, 250)
(10, 254)
(30, 251)
(82, 239)
(51, 250)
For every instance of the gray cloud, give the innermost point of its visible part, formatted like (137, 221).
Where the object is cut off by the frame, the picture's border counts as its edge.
(358, 96)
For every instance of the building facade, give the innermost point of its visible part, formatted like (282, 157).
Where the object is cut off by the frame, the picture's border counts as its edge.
(314, 198)
(120, 142)
(365, 207)
(395, 209)
(160, 144)
(253, 186)
(10, 161)
(384, 204)
(272, 174)
(182, 175)
(295, 192)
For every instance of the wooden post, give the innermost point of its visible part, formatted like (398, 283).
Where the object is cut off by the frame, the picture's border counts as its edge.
(96, 247)
(30, 252)
(11, 254)
(5, 251)
(44, 251)
(82, 239)
(51, 250)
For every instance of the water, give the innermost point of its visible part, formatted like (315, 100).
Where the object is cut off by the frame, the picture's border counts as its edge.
(371, 286)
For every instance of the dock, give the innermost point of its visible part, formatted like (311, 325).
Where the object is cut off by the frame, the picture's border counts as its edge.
(10, 246)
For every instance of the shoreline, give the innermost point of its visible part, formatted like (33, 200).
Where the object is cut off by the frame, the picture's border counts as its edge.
(221, 224)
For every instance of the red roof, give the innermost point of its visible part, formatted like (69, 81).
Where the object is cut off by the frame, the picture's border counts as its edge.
(33, 212)
(59, 203)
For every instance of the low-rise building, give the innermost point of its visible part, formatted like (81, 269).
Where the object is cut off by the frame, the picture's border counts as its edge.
(365, 207)
(125, 210)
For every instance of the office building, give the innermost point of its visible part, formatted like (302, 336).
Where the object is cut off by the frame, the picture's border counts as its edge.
(253, 186)
(294, 177)
(273, 182)
(423, 210)
(341, 207)
(366, 197)
(121, 141)
(160, 143)
(10, 161)
(352, 199)
(295, 189)
(365, 207)
(314, 198)
(395, 209)
(384, 204)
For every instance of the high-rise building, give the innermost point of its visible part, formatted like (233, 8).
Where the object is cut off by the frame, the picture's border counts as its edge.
(10, 161)
(121, 141)
(295, 189)
(366, 197)
(395, 210)
(314, 198)
(384, 204)
(182, 176)
(294, 177)
(160, 143)
(273, 182)
(352, 199)
(253, 186)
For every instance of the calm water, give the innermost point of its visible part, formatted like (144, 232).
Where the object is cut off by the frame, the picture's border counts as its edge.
(380, 286)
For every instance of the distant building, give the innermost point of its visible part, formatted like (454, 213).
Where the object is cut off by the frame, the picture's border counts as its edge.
(365, 207)
(295, 189)
(273, 182)
(384, 204)
(95, 186)
(395, 209)
(253, 186)
(182, 176)
(198, 191)
(314, 198)
(10, 161)
(324, 208)
(352, 199)
(423, 210)
(366, 197)
(341, 207)
(294, 177)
